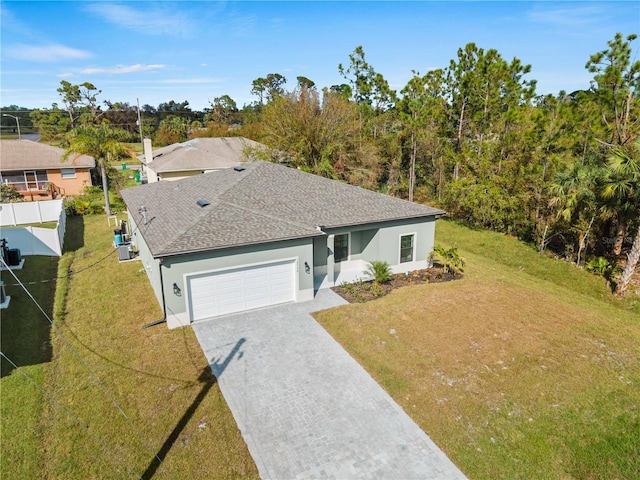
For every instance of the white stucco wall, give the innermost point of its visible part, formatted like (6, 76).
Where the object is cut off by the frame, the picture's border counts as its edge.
(150, 264)
(369, 243)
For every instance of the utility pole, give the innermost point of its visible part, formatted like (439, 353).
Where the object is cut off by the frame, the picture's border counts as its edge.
(17, 122)
(139, 122)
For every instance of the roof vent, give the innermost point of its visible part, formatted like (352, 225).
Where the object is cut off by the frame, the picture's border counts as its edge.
(203, 203)
(238, 168)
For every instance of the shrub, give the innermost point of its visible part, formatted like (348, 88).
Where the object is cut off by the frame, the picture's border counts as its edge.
(83, 206)
(598, 265)
(354, 289)
(451, 260)
(380, 271)
(91, 202)
(376, 290)
(118, 205)
(8, 194)
(602, 266)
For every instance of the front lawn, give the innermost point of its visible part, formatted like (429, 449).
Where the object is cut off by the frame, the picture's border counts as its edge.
(101, 364)
(525, 368)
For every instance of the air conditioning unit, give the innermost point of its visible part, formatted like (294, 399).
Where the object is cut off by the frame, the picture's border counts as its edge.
(124, 252)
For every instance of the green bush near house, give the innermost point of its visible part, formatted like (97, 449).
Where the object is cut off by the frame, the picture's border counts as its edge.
(451, 260)
(91, 200)
(380, 271)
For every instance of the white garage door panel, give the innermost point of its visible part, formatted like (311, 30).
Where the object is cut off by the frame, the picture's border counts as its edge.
(241, 289)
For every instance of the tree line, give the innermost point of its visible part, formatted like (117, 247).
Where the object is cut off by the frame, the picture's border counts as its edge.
(560, 171)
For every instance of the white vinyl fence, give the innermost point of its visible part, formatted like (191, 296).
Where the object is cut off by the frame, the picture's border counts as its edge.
(33, 240)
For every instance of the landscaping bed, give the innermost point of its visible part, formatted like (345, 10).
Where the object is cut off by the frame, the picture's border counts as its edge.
(365, 291)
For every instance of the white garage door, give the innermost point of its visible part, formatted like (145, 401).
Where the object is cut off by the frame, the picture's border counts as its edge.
(239, 289)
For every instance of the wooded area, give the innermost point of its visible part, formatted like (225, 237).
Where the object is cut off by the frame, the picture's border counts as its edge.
(560, 171)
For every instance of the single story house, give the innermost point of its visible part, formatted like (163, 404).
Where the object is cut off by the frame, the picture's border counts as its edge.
(37, 170)
(196, 156)
(263, 233)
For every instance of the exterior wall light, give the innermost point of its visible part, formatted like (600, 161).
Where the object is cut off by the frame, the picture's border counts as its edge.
(176, 290)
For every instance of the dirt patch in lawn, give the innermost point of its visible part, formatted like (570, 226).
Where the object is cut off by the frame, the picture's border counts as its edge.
(361, 291)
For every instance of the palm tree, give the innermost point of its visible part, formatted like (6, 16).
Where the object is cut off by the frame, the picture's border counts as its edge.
(622, 187)
(574, 191)
(102, 143)
(380, 271)
(622, 184)
(451, 260)
(632, 262)
(172, 129)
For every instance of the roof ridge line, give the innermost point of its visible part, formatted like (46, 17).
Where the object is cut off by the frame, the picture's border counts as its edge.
(259, 163)
(199, 218)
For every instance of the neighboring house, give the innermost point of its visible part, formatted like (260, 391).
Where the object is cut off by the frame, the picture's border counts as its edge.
(37, 170)
(200, 155)
(262, 234)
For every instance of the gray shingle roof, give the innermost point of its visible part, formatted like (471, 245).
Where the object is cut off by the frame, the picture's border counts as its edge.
(28, 155)
(263, 203)
(201, 154)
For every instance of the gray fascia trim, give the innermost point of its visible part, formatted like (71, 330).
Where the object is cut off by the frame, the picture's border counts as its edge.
(381, 222)
(235, 245)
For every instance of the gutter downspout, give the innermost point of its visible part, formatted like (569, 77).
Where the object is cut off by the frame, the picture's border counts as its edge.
(164, 303)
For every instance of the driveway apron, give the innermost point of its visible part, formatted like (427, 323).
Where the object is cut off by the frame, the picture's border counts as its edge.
(307, 409)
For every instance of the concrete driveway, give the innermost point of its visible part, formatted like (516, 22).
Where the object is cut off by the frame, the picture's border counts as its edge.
(305, 407)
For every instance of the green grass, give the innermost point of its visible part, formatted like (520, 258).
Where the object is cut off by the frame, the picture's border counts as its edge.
(525, 368)
(510, 252)
(50, 225)
(26, 342)
(159, 377)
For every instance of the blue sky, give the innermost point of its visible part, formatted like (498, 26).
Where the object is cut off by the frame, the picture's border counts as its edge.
(157, 51)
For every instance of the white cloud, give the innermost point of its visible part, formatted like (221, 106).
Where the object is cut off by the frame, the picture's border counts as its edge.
(150, 20)
(46, 53)
(121, 69)
(567, 16)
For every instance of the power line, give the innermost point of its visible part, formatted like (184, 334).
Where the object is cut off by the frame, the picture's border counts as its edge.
(69, 413)
(84, 365)
(71, 273)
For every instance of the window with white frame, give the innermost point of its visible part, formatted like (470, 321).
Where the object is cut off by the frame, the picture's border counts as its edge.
(68, 172)
(341, 247)
(407, 244)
